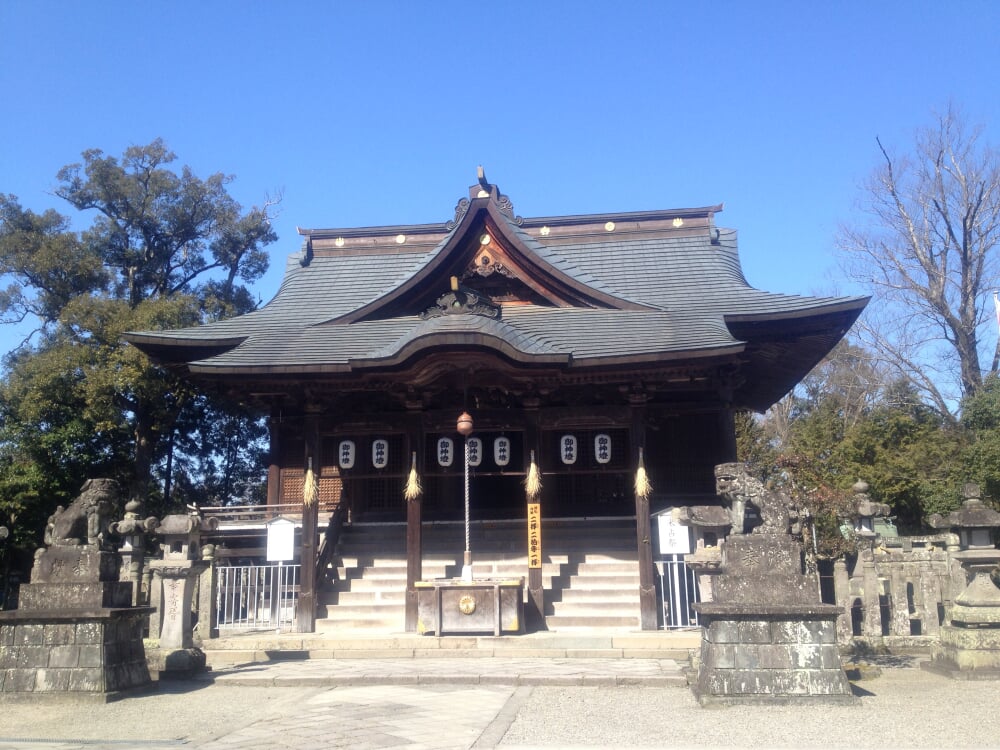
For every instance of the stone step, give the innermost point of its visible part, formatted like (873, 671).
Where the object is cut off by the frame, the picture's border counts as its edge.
(361, 639)
(597, 608)
(351, 598)
(610, 581)
(559, 622)
(598, 595)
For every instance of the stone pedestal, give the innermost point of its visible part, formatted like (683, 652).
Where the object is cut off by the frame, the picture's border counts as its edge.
(75, 632)
(969, 645)
(96, 654)
(766, 637)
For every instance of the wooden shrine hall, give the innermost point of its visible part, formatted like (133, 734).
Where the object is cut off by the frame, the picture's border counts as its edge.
(584, 344)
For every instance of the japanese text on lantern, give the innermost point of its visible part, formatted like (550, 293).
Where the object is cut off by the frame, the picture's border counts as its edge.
(534, 535)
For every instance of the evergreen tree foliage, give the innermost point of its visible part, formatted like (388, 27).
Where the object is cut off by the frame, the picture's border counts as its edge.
(164, 249)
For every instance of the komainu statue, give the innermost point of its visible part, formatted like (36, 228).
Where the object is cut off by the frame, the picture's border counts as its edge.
(85, 520)
(739, 487)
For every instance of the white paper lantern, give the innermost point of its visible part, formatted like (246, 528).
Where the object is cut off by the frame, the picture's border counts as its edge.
(380, 453)
(602, 448)
(501, 451)
(567, 449)
(346, 454)
(446, 451)
(475, 450)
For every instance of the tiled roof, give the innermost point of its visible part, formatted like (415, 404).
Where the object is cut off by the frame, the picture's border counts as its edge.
(680, 293)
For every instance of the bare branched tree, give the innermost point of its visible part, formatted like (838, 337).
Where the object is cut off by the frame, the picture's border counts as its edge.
(928, 254)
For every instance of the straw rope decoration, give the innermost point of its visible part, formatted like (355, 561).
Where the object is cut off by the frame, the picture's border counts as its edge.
(413, 489)
(642, 486)
(533, 481)
(310, 491)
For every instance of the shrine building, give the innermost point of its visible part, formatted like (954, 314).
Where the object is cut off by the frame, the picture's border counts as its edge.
(586, 343)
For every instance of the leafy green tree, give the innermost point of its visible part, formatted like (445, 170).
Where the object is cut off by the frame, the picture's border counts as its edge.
(165, 249)
(849, 420)
(981, 419)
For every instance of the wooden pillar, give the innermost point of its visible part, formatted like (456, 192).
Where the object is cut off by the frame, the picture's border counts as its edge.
(274, 458)
(535, 613)
(310, 520)
(414, 519)
(644, 535)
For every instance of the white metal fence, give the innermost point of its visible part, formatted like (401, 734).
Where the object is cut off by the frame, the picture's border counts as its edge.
(678, 591)
(257, 597)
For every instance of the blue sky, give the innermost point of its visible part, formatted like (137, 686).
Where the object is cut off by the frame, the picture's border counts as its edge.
(379, 112)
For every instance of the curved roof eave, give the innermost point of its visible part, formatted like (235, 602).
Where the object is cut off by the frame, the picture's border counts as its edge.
(451, 339)
(175, 350)
(853, 305)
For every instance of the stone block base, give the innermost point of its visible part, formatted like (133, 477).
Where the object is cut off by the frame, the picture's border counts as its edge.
(770, 658)
(176, 664)
(966, 653)
(88, 654)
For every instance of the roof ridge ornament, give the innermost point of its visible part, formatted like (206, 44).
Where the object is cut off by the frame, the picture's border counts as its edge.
(485, 189)
(461, 209)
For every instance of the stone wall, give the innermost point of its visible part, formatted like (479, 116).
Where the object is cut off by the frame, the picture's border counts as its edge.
(46, 654)
(898, 591)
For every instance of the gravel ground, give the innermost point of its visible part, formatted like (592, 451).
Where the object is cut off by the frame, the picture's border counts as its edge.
(901, 708)
(188, 713)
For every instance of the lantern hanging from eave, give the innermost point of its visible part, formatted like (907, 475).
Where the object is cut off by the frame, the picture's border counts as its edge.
(380, 453)
(602, 448)
(567, 449)
(346, 454)
(475, 446)
(445, 451)
(501, 451)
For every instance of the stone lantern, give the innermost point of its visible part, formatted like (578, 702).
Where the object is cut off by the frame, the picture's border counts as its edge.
(134, 530)
(175, 575)
(970, 642)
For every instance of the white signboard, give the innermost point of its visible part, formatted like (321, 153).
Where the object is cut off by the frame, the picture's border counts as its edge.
(280, 540)
(675, 539)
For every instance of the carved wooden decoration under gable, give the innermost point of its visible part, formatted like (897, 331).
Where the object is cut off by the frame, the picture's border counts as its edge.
(464, 301)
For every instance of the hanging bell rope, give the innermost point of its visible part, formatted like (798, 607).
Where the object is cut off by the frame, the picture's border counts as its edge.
(413, 489)
(311, 489)
(642, 486)
(533, 481)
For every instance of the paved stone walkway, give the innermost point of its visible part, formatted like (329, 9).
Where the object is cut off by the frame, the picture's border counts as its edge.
(453, 703)
(456, 671)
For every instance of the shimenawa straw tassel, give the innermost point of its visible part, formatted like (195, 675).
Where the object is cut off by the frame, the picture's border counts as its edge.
(413, 488)
(533, 481)
(642, 486)
(311, 489)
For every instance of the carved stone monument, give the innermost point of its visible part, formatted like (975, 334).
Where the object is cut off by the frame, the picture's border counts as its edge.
(75, 631)
(766, 636)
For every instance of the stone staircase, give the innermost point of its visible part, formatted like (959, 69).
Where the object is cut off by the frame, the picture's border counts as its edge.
(590, 572)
